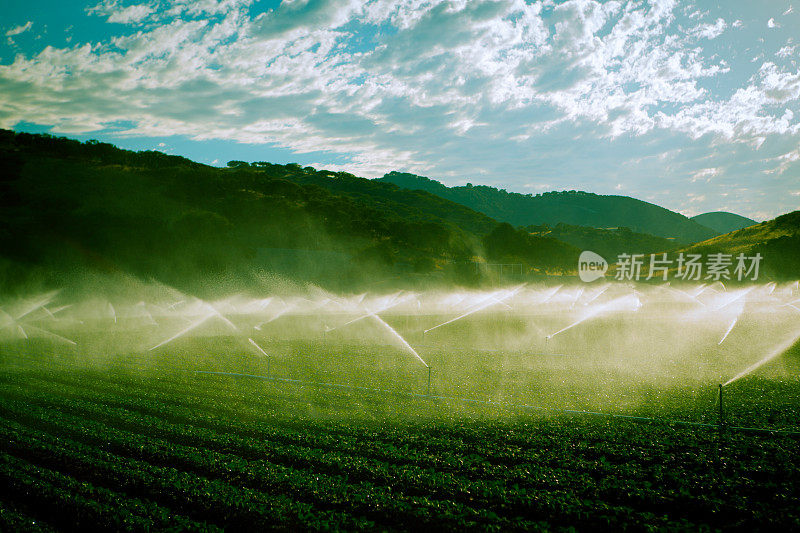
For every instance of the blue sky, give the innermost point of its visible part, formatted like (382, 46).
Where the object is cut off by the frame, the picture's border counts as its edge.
(690, 105)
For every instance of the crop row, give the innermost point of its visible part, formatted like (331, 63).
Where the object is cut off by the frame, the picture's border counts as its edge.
(21, 521)
(205, 500)
(499, 462)
(323, 490)
(70, 504)
(452, 472)
(518, 491)
(433, 439)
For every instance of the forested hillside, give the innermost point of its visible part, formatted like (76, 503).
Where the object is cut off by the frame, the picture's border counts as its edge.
(575, 208)
(71, 206)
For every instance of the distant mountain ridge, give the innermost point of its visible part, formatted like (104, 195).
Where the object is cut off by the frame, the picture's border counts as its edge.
(723, 221)
(570, 207)
(777, 240)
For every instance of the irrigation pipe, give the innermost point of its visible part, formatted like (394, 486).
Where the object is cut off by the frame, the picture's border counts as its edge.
(500, 404)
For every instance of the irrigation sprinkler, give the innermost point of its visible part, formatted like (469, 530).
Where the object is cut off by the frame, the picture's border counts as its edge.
(393, 303)
(261, 350)
(50, 334)
(552, 293)
(766, 359)
(728, 331)
(429, 382)
(597, 295)
(51, 315)
(37, 304)
(614, 305)
(720, 428)
(176, 304)
(483, 304)
(772, 288)
(399, 337)
(182, 332)
(735, 298)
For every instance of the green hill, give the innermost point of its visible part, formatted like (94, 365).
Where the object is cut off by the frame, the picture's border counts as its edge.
(723, 222)
(69, 208)
(608, 243)
(571, 207)
(387, 197)
(777, 240)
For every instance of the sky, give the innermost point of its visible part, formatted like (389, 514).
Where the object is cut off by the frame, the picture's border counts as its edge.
(694, 106)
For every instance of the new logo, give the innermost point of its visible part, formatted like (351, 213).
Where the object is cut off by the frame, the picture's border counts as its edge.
(591, 266)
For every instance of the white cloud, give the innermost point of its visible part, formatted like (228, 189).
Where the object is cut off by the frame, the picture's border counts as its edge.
(131, 14)
(705, 174)
(301, 16)
(696, 198)
(206, 7)
(19, 29)
(538, 186)
(709, 31)
(121, 15)
(501, 52)
(784, 161)
(779, 86)
(745, 116)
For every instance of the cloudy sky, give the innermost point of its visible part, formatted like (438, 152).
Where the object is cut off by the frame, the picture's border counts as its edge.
(690, 105)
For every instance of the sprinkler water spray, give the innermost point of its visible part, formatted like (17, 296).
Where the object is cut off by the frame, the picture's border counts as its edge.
(756, 323)
(211, 312)
(400, 338)
(766, 359)
(602, 308)
(483, 305)
(393, 303)
(552, 293)
(728, 331)
(181, 333)
(597, 294)
(261, 350)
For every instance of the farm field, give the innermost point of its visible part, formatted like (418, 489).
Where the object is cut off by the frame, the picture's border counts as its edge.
(529, 408)
(127, 448)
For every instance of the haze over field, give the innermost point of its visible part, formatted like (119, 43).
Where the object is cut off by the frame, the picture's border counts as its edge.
(601, 346)
(689, 105)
